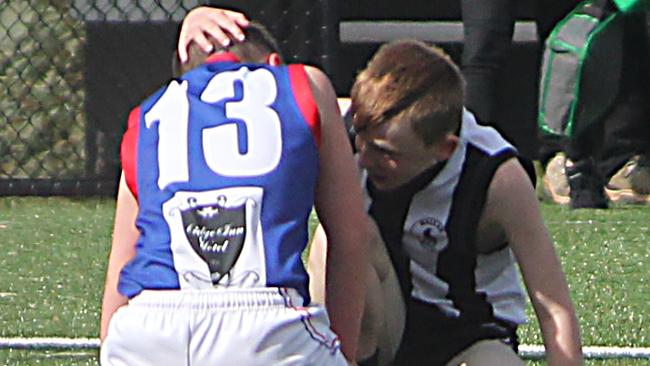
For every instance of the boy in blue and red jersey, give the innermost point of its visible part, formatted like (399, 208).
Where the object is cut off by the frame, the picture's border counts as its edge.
(221, 169)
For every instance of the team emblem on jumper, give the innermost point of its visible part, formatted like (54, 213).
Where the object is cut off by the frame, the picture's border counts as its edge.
(216, 233)
(430, 233)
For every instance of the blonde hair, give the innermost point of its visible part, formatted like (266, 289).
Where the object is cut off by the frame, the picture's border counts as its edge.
(411, 81)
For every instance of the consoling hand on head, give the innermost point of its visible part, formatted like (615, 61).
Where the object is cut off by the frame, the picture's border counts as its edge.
(205, 22)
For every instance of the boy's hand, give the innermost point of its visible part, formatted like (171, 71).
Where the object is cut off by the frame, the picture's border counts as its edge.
(204, 22)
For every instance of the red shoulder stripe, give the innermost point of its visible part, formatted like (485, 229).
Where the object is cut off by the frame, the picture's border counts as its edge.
(303, 95)
(129, 151)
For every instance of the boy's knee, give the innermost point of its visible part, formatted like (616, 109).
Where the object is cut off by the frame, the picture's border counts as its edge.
(487, 352)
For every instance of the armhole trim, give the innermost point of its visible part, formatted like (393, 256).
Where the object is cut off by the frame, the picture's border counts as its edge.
(305, 99)
(129, 151)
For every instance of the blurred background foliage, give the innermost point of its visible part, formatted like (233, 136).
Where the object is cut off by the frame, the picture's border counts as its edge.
(42, 124)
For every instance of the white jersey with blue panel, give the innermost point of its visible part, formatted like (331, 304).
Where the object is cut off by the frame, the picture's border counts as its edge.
(224, 163)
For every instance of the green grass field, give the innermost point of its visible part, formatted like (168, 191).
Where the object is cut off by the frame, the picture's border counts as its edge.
(54, 252)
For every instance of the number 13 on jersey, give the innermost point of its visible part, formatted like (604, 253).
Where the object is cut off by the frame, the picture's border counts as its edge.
(220, 143)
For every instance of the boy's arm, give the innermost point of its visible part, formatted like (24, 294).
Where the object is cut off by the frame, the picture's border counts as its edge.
(340, 209)
(125, 235)
(519, 215)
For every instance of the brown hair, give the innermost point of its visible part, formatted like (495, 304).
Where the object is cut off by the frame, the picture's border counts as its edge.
(255, 48)
(411, 81)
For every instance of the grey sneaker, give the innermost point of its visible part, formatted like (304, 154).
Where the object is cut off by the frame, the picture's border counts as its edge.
(555, 183)
(631, 184)
(640, 177)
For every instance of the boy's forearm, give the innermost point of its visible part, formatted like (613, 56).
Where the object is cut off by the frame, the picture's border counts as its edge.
(558, 322)
(345, 292)
(562, 339)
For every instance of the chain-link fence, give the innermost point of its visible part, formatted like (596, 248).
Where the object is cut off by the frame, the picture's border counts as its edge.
(70, 71)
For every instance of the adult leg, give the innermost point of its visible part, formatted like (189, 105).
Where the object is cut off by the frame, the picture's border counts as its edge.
(488, 27)
(587, 184)
(627, 128)
(626, 148)
(585, 179)
(623, 131)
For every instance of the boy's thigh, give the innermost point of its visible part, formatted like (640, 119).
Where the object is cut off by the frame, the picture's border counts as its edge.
(281, 336)
(136, 337)
(486, 353)
(272, 331)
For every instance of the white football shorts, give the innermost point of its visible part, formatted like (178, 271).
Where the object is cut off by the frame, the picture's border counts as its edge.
(265, 326)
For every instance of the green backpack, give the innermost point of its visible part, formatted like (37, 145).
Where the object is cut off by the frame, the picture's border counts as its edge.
(581, 67)
(630, 6)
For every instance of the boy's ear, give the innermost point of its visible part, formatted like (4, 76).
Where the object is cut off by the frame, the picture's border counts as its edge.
(273, 59)
(447, 146)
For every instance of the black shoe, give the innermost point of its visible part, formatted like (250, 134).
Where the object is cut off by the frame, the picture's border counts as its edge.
(587, 187)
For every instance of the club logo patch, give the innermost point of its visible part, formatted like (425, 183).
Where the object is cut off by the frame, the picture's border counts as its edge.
(430, 233)
(216, 233)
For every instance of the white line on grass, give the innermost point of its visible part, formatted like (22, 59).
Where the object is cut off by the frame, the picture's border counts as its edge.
(591, 352)
(48, 342)
(526, 351)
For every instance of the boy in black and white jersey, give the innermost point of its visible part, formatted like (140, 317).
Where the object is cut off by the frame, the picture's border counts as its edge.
(456, 211)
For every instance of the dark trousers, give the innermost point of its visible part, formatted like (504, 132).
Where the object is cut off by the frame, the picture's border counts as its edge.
(489, 27)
